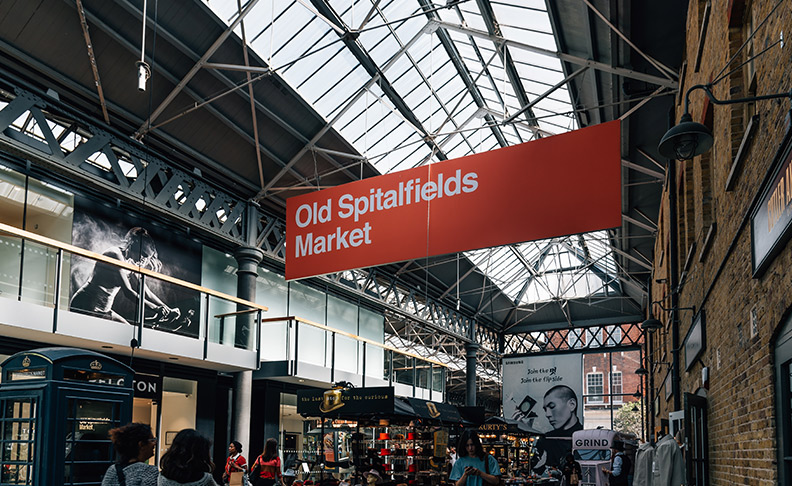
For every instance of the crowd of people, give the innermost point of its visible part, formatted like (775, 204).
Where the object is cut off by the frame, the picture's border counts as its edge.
(187, 461)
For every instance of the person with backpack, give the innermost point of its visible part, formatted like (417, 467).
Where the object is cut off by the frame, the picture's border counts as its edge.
(620, 468)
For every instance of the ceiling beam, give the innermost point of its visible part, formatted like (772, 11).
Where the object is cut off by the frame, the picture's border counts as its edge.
(624, 72)
(194, 70)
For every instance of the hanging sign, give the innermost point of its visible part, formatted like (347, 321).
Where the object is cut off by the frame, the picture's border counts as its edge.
(771, 220)
(345, 401)
(555, 186)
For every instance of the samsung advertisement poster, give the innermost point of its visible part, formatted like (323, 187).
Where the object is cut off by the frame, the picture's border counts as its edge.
(546, 393)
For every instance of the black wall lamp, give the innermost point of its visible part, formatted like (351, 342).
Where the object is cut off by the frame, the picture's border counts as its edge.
(652, 324)
(689, 139)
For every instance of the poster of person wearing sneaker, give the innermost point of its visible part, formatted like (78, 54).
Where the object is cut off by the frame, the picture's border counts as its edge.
(103, 290)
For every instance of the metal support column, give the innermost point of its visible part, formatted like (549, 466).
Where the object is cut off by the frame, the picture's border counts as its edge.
(247, 259)
(470, 383)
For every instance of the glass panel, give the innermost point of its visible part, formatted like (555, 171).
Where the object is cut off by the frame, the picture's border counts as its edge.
(12, 197)
(50, 211)
(273, 292)
(38, 282)
(386, 365)
(309, 304)
(423, 369)
(342, 315)
(311, 342)
(88, 450)
(16, 474)
(222, 327)
(17, 444)
(438, 378)
(346, 354)
(403, 369)
(371, 326)
(10, 256)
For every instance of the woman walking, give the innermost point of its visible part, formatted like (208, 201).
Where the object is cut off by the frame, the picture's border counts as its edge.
(134, 445)
(187, 462)
(235, 462)
(267, 468)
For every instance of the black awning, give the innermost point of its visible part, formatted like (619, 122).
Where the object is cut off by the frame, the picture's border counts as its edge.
(373, 403)
(437, 412)
(502, 425)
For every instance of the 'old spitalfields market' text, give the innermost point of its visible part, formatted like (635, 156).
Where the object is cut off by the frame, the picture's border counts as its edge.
(350, 206)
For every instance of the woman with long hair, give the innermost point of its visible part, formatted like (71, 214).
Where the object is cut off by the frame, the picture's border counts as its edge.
(187, 462)
(134, 444)
(267, 468)
(474, 467)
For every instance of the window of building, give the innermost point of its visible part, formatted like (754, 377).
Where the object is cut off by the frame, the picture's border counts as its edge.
(575, 339)
(613, 335)
(594, 337)
(594, 387)
(616, 387)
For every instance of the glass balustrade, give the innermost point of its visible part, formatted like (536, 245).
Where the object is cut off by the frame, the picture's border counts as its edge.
(34, 272)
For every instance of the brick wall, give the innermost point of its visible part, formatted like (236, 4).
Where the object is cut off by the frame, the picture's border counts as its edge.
(742, 425)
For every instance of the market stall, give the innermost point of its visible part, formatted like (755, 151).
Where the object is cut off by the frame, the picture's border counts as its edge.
(404, 439)
(510, 441)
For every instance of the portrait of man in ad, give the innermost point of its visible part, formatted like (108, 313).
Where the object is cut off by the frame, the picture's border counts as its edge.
(103, 290)
(545, 392)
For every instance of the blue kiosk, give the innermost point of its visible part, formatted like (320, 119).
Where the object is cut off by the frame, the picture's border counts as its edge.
(56, 408)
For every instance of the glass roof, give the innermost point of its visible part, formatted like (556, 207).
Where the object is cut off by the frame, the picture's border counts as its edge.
(447, 88)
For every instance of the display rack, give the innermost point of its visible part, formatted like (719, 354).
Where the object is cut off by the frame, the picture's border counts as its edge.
(408, 453)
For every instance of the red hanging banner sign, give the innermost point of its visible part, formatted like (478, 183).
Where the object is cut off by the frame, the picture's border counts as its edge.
(555, 186)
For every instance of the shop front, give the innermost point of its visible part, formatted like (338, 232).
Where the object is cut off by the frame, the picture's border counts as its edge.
(404, 439)
(511, 442)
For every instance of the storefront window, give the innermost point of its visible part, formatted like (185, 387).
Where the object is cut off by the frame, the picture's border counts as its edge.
(179, 405)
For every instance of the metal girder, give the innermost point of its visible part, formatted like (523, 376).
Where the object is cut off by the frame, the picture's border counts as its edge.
(503, 50)
(373, 70)
(463, 72)
(194, 70)
(557, 340)
(118, 165)
(329, 125)
(627, 73)
(232, 88)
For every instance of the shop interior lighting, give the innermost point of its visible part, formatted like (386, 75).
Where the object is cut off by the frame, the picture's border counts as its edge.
(689, 139)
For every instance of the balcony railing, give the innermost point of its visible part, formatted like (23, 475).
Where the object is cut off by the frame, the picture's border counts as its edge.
(301, 343)
(196, 322)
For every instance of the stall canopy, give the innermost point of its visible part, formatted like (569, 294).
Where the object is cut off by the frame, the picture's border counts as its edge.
(502, 425)
(373, 403)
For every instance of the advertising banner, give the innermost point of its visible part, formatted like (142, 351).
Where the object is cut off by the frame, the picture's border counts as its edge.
(554, 186)
(546, 393)
(102, 290)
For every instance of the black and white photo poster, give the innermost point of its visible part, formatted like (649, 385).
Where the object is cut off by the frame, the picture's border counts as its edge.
(545, 392)
(103, 290)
